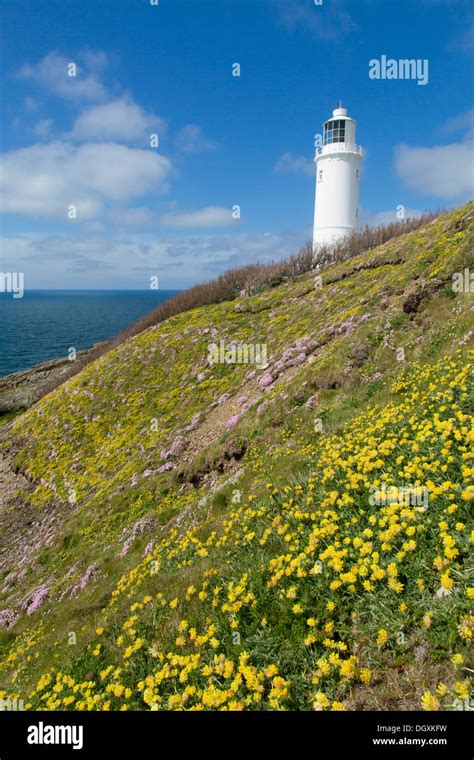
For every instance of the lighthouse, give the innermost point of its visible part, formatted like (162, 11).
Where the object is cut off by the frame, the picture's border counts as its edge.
(336, 210)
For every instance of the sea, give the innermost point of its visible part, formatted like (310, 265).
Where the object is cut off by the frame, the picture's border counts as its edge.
(44, 324)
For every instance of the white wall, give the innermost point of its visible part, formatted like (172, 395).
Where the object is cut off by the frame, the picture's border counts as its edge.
(337, 195)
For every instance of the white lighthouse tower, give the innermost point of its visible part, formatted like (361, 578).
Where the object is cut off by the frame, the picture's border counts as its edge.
(336, 211)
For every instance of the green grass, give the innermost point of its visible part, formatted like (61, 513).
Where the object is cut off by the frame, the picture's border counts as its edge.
(93, 437)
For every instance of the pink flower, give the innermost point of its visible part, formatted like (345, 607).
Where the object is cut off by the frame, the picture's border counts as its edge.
(177, 447)
(149, 548)
(300, 359)
(232, 421)
(91, 571)
(37, 600)
(266, 379)
(7, 618)
(166, 467)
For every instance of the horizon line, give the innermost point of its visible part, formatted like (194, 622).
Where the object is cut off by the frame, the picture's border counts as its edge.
(101, 290)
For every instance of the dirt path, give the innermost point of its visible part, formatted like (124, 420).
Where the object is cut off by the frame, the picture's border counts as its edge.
(214, 425)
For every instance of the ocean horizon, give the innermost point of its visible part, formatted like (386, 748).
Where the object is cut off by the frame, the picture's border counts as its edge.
(45, 324)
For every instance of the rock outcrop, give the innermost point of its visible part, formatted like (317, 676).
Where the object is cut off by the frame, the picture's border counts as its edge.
(20, 390)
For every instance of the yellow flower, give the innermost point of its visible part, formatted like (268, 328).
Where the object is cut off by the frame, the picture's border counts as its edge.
(426, 622)
(446, 580)
(348, 668)
(466, 626)
(271, 671)
(461, 689)
(382, 637)
(429, 701)
(320, 701)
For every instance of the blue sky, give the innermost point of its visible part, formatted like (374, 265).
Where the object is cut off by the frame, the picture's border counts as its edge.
(141, 69)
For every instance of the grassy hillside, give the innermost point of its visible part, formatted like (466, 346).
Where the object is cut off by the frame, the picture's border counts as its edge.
(183, 535)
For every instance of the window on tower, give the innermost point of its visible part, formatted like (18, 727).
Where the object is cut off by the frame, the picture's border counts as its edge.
(334, 131)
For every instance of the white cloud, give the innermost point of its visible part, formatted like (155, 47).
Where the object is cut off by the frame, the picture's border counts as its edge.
(93, 226)
(443, 171)
(120, 119)
(96, 60)
(387, 217)
(94, 260)
(129, 217)
(51, 72)
(191, 139)
(43, 128)
(211, 216)
(464, 122)
(327, 21)
(289, 163)
(43, 180)
(31, 104)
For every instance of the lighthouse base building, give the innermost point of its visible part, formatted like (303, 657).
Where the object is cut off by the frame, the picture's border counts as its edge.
(336, 211)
